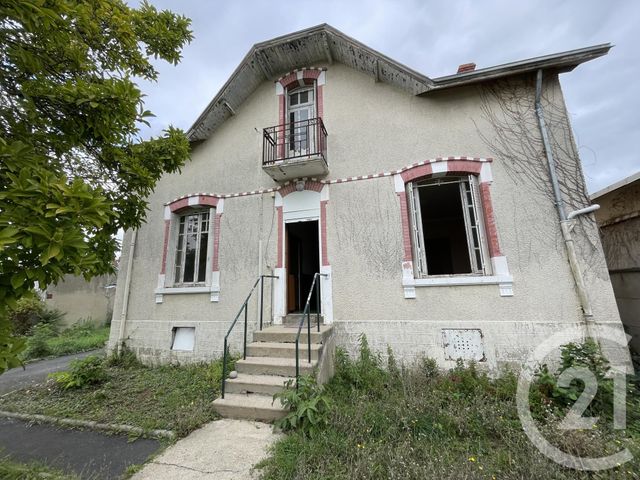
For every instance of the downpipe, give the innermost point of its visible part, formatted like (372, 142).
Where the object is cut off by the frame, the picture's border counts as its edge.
(565, 220)
(127, 288)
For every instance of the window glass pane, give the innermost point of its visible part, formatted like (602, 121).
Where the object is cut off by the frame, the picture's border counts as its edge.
(202, 261)
(191, 239)
(304, 96)
(293, 99)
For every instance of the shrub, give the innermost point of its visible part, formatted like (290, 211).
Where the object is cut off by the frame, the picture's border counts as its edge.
(123, 358)
(308, 405)
(365, 373)
(85, 372)
(37, 345)
(26, 314)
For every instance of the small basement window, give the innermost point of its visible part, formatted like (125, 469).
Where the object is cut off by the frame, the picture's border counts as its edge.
(183, 338)
(448, 235)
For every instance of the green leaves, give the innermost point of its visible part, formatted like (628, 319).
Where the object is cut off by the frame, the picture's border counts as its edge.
(308, 404)
(72, 168)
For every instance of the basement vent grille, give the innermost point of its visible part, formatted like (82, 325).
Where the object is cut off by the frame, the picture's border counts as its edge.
(463, 343)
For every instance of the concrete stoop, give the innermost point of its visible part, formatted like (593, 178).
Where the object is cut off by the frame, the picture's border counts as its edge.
(270, 363)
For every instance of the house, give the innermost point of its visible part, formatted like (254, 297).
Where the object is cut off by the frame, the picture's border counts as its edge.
(619, 222)
(445, 215)
(81, 300)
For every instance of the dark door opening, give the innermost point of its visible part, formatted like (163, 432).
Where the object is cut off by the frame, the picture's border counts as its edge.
(303, 262)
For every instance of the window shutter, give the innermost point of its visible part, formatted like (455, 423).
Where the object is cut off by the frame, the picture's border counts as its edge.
(419, 257)
(473, 223)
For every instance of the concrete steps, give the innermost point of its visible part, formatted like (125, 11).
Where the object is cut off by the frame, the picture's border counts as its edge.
(283, 350)
(249, 406)
(270, 362)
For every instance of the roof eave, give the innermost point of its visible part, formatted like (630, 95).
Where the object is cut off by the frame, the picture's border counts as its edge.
(564, 62)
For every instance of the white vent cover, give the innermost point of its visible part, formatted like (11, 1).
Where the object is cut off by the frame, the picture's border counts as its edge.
(463, 343)
(183, 338)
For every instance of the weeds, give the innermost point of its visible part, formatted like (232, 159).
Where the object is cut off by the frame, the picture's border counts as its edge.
(308, 405)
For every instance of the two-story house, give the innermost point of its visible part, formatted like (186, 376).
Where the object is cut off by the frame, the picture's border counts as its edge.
(441, 212)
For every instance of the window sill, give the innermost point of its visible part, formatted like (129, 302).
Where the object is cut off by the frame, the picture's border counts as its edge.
(505, 283)
(213, 290)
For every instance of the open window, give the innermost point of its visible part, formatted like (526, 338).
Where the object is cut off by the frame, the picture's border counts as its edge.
(191, 252)
(447, 231)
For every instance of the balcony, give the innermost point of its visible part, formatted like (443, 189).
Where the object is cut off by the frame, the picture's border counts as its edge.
(295, 150)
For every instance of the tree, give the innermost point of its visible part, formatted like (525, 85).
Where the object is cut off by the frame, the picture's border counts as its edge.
(73, 169)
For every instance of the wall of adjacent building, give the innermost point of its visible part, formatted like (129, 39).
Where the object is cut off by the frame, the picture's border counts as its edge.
(619, 222)
(374, 128)
(81, 300)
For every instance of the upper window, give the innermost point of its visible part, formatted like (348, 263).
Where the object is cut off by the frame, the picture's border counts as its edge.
(301, 109)
(446, 221)
(191, 248)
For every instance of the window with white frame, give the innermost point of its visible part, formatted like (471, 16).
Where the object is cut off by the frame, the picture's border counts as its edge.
(301, 108)
(447, 230)
(191, 248)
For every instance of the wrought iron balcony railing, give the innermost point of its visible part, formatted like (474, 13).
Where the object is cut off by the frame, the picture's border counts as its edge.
(306, 138)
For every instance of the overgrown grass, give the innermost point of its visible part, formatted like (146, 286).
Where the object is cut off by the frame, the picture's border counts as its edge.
(418, 423)
(45, 342)
(11, 470)
(169, 397)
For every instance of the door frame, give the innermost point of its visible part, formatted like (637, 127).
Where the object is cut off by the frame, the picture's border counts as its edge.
(286, 259)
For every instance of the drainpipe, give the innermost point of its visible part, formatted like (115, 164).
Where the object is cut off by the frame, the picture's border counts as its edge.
(565, 221)
(125, 297)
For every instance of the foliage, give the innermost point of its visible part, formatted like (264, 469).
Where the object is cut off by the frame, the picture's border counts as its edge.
(308, 405)
(37, 343)
(44, 340)
(12, 470)
(73, 170)
(30, 311)
(86, 372)
(124, 358)
(432, 423)
(170, 397)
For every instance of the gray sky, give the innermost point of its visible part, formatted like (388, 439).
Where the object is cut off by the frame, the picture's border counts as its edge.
(434, 37)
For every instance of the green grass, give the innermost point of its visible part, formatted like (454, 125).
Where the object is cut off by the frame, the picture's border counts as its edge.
(168, 397)
(419, 423)
(11, 470)
(79, 338)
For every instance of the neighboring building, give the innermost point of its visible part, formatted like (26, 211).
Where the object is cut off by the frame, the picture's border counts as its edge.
(619, 222)
(426, 202)
(82, 301)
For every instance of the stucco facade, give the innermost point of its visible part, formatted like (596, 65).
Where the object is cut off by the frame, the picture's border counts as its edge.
(379, 138)
(81, 300)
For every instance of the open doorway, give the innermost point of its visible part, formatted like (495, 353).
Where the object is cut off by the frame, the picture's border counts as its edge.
(303, 262)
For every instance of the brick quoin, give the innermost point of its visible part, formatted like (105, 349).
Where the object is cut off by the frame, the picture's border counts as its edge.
(406, 231)
(280, 236)
(165, 246)
(323, 232)
(489, 221)
(215, 265)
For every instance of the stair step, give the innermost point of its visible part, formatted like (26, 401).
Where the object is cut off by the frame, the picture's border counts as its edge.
(264, 384)
(285, 367)
(249, 406)
(283, 350)
(293, 319)
(287, 334)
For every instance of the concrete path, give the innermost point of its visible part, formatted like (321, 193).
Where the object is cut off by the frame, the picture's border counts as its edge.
(37, 372)
(88, 454)
(222, 450)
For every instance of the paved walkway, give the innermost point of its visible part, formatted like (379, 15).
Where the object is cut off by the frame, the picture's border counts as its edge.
(221, 450)
(86, 453)
(37, 372)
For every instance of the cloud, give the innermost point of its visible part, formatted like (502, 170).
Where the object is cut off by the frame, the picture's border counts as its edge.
(434, 37)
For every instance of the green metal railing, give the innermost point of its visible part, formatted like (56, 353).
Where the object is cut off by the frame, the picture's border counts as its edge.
(244, 309)
(307, 314)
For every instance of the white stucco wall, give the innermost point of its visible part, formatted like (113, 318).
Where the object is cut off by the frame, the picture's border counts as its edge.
(372, 128)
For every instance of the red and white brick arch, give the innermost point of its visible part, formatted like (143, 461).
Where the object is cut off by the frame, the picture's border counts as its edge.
(171, 212)
(453, 166)
(311, 204)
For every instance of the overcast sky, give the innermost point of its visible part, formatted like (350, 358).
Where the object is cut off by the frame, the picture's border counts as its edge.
(603, 96)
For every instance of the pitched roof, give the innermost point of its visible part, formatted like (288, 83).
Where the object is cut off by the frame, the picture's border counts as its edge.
(325, 44)
(615, 186)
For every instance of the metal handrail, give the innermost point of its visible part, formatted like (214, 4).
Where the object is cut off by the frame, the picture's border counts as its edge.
(307, 313)
(235, 320)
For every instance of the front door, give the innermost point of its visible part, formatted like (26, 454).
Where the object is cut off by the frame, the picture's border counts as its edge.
(302, 263)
